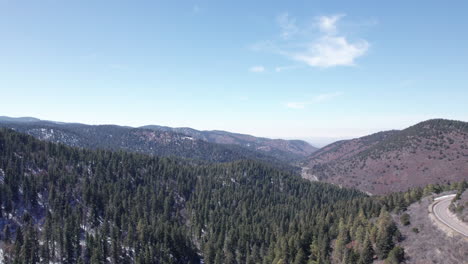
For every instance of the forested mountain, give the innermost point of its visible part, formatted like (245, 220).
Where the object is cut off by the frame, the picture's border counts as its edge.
(288, 150)
(147, 141)
(18, 119)
(434, 151)
(69, 205)
(218, 146)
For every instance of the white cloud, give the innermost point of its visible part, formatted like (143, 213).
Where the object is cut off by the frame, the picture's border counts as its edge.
(327, 24)
(257, 69)
(330, 51)
(321, 98)
(323, 48)
(287, 25)
(326, 97)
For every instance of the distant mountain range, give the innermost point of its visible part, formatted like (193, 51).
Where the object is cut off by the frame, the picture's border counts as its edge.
(215, 146)
(279, 148)
(434, 151)
(18, 119)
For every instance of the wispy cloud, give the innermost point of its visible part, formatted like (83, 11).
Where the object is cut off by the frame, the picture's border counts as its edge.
(257, 69)
(321, 98)
(326, 97)
(330, 51)
(323, 47)
(287, 25)
(296, 105)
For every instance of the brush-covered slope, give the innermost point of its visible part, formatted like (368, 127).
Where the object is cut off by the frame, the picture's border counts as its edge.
(434, 151)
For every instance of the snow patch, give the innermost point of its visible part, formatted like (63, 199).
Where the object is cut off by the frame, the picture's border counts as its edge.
(2, 176)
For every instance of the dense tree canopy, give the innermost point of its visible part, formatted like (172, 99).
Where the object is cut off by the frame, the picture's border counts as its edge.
(72, 205)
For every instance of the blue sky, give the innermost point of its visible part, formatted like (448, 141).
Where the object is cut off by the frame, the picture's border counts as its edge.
(295, 69)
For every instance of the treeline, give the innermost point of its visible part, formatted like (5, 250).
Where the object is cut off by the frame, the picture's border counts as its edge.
(68, 205)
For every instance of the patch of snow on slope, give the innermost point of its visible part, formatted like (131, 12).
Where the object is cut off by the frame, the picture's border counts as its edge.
(2, 176)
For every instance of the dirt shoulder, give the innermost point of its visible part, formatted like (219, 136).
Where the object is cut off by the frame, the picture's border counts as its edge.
(439, 212)
(427, 242)
(460, 207)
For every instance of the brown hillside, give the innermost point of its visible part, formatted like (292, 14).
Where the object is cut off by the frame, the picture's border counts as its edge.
(433, 151)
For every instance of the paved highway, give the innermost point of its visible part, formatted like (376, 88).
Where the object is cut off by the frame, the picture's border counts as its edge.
(442, 213)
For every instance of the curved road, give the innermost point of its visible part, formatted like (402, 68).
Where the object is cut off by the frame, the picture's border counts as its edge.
(440, 208)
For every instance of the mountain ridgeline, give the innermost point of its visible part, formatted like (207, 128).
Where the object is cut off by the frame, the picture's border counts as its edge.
(60, 204)
(434, 151)
(286, 150)
(212, 146)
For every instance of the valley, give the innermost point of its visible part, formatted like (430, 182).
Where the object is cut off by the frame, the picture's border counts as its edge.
(68, 197)
(74, 193)
(431, 152)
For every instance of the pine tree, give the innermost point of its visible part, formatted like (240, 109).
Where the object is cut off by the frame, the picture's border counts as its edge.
(6, 234)
(19, 241)
(396, 256)
(367, 253)
(29, 252)
(300, 257)
(386, 231)
(314, 251)
(341, 241)
(68, 243)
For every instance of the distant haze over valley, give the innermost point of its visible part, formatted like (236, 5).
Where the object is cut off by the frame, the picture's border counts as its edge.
(323, 141)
